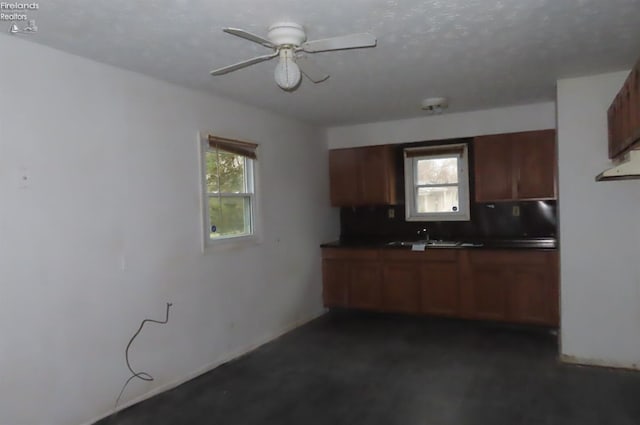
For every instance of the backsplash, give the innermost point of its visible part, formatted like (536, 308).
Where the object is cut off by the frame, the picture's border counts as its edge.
(488, 220)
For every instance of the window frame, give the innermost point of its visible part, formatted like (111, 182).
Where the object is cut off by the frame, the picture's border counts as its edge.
(411, 185)
(251, 189)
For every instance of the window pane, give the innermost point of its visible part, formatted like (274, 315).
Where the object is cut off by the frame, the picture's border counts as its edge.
(437, 200)
(231, 173)
(211, 173)
(437, 171)
(229, 216)
(227, 169)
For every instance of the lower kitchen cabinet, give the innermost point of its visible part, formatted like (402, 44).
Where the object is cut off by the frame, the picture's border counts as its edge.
(529, 294)
(351, 278)
(335, 282)
(421, 282)
(516, 286)
(401, 287)
(489, 292)
(439, 288)
(365, 285)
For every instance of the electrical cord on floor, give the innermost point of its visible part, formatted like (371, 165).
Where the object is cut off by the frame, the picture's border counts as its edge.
(140, 375)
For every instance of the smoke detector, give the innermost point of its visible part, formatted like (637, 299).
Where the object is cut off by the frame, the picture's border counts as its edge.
(435, 105)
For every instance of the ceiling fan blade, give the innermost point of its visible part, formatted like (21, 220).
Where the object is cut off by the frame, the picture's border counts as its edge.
(310, 69)
(243, 64)
(352, 41)
(249, 36)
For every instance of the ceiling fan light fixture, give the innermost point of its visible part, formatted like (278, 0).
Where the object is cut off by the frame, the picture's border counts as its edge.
(287, 72)
(288, 41)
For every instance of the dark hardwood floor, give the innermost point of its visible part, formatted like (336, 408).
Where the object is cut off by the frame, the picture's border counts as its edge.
(350, 368)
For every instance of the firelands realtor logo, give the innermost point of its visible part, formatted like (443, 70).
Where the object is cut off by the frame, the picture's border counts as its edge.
(19, 16)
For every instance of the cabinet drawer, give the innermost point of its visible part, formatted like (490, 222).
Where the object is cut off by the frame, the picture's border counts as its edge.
(350, 253)
(433, 254)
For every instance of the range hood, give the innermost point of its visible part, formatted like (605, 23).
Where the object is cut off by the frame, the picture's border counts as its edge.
(627, 168)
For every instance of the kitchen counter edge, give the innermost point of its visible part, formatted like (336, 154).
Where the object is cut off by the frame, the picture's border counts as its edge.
(503, 244)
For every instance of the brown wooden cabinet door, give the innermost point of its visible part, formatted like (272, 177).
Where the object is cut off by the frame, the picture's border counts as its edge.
(344, 176)
(377, 178)
(400, 287)
(362, 176)
(530, 298)
(611, 123)
(535, 164)
(634, 102)
(365, 285)
(616, 141)
(514, 286)
(440, 289)
(624, 116)
(335, 283)
(493, 163)
(489, 292)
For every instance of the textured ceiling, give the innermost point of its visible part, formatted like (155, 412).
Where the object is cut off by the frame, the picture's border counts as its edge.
(479, 53)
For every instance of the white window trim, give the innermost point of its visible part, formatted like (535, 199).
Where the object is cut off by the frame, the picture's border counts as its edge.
(209, 244)
(410, 164)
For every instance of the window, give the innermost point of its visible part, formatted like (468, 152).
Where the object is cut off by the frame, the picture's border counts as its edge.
(229, 189)
(436, 183)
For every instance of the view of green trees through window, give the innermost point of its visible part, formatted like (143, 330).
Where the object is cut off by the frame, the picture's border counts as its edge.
(228, 193)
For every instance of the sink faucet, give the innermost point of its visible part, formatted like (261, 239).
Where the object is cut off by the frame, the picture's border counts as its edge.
(423, 234)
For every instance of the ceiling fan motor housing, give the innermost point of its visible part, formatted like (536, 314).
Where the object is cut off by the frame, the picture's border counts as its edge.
(287, 34)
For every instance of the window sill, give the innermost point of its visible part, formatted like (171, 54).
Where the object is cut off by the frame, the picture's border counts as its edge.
(230, 244)
(444, 217)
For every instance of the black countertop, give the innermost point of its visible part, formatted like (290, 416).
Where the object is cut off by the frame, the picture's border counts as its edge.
(512, 243)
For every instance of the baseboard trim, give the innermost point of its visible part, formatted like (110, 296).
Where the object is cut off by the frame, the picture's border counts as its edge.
(209, 367)
(580, 361)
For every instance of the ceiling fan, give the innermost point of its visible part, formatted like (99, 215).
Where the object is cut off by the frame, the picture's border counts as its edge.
(288, 41)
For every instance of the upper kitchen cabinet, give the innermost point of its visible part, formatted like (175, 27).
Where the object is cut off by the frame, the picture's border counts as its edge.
(362, 176)
(535, 164)
(493, 167)
(515, 166)
(624, 116)
(344, 176)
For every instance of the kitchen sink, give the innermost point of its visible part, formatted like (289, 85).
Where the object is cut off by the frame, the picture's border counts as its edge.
(400, 243)
(428, 243)
(444, 243)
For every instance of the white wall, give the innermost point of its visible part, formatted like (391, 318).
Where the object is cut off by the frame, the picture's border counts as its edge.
(538, 116)
(599, 232)
(106, 228)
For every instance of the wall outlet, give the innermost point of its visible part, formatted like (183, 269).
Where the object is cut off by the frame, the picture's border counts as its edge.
(391, 213)
(515, 211)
